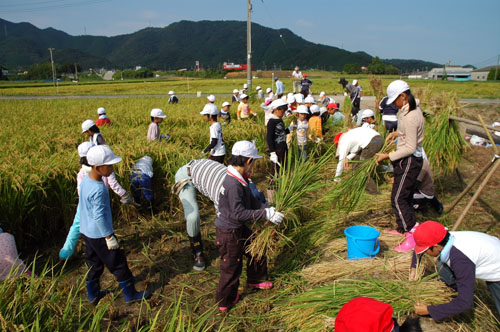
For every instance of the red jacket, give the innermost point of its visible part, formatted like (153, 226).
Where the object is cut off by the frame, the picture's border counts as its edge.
(102, 122)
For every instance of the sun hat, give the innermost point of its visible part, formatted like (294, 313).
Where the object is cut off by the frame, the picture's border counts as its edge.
(333, 105)
(86, 125)
(245, 86)
(101, 111)
(337, 138)
(428, 234)
(354, 82)
(245, 149)
(394, 89)
(268, 90)
(211, 98)
(101, 155)
(236, 91)
(171, 92)
(309, 100)
(302, 109)
(363, 314)
(368, 113)
(290, 99)
(243, 96)
(322, 110)
(157, 113)
(278, 103)
(84, 148)
(299, 98)
(314, 109)
(322, 93)
(224, 104)
(296, 68)
(209, 109)
(258, 88)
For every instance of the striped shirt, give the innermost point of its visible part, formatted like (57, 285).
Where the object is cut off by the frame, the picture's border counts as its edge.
(207, 177)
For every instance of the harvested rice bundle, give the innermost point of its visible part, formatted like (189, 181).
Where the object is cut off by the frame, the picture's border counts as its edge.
(311, 310)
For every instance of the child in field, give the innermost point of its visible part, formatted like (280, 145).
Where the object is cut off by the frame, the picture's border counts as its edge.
(270, 93)
(101, 245)
(154, 133)
(260, 93)
(10, 264)
(463, 257)
(366, 119)
(302, 130)
(216, 147)
(103, 118)
(236, 206)
(109, 181)
(140, 181)
(173, 98)
(236, 96)
(315, 127)
(276, 135)
(224, 114)
(389, 115)
(324, 100)
(244, 111)
(90, 129)
(337, 118)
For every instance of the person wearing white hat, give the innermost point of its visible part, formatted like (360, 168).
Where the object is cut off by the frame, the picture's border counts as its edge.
(367, 119)
(299, 98)
(244, 91)
(154, 133)
(296, 78)
(173, 98)
(358, 86)
(324, 100)
(96, 226)
(217, 148)
(302, 130)
(236, 96)
(260, 93)
(224, 113)
(238, 205)
(103, 118)
(407, 159)
(276, 135)
(315, 124)
(243, 112)
(92, 131)
(270, 93)
(109, 181)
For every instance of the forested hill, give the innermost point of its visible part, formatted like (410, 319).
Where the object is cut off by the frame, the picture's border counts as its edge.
(178, 45)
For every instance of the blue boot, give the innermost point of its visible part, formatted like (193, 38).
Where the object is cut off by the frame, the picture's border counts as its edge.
(95, 292)
(131, 295)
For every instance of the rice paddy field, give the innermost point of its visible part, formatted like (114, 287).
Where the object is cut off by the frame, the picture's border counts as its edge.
(307, 254)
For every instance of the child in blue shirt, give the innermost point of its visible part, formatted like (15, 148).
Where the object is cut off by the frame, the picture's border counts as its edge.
(96, 226)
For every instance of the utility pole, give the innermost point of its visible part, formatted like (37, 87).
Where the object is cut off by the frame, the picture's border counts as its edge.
(76, 72)
(249, 46)
(496, 69)
(53, 69)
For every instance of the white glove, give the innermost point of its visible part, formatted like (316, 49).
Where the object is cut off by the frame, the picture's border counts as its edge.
(292, 127)
(126, 199)
(345, 93)
(255, 114)
(112, 243)
(274, 157)
(274, 216)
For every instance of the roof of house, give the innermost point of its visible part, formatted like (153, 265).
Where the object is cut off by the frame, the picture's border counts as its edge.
(488, 68)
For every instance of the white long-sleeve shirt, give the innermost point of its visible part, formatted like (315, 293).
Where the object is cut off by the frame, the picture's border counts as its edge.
(351, 143)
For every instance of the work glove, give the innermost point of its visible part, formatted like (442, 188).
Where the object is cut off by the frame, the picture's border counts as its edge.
(274, 157)
(292, 127)
(255, 114)
(345, 94)
(165, 136)
(274, 216)
(126, 199)
(112, 243)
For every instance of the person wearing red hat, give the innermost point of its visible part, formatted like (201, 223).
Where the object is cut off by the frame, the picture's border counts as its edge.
(463, 257)
(364, 314)
(305, 85)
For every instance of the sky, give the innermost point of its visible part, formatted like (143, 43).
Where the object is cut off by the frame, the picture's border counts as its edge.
(457, 31)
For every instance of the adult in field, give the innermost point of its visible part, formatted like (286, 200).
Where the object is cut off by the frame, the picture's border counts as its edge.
(354, 95)
(296, 78)
(205, 176)
(407, 159)
(280, 87)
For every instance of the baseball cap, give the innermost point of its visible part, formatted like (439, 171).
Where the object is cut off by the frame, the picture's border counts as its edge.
(211, 98)
(275, 78)
(394, 89)
(322, 93)
(87, 124)
(268, 90)
(363, 314)
(101, 111)
(224, 104)
(354, 82)
(171, 92)
(337, 139)
(209, 109)
(258, 88)
(309, 100)
(236, 91)
(333, 105)
(157, 113)
(245, 86)
(101, 155)
(243, 96)
(304, 74)
(367, 114)
(302, 109)
(314, 109)
(84, 148)
(428, 234)
(245, 149)
(278, 103)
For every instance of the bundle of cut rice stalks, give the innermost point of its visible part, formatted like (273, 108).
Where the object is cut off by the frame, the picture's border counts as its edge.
(295, 190)
(315, 308)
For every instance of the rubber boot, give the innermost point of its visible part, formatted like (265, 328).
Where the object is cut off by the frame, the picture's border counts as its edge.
(437, 205)
(131, 295)
(95, 292)
(197, 249)
(408, 244)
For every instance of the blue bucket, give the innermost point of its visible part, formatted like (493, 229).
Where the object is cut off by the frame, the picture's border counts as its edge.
(362, 242)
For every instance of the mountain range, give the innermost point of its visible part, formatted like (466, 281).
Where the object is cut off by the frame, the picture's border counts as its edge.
(178, 45)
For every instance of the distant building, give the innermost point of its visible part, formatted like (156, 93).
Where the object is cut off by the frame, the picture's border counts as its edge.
(453, 73)
(481, 74)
